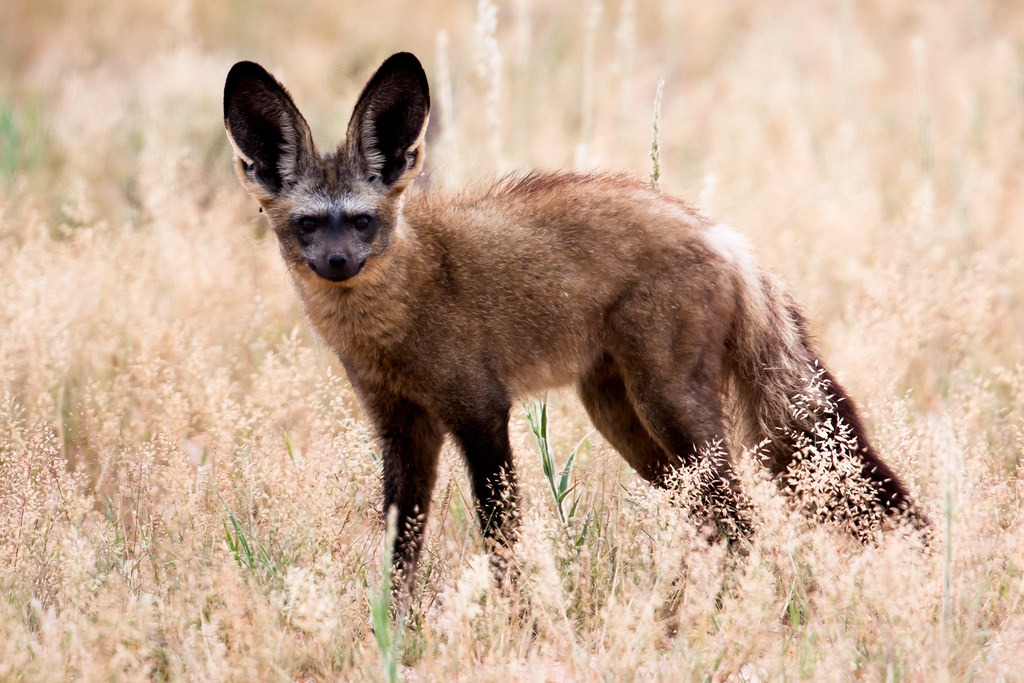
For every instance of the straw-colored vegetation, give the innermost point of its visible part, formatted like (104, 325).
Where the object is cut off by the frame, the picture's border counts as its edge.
(188, 489)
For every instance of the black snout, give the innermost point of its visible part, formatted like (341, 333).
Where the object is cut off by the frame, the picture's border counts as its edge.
(336, 267)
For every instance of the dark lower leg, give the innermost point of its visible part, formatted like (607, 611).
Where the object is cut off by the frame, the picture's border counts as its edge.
(488, 454)
(410, 445)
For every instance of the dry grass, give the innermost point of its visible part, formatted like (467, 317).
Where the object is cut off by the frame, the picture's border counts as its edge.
(187, 489)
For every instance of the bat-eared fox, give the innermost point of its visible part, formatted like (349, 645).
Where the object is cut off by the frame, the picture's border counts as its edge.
(444, 311)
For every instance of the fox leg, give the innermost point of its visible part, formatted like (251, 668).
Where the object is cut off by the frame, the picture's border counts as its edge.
(657, 433)
(603, 394)
(410, 445)
(487, 451)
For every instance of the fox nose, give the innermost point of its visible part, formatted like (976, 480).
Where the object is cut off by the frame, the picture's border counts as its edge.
(335, 267)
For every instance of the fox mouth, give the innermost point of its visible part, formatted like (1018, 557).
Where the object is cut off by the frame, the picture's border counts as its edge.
(340, 273)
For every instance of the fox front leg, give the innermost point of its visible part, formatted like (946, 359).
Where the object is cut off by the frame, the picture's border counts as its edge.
(410, 444)
(487, 451)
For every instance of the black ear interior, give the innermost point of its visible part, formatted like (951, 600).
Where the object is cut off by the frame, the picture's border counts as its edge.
(389, 116)
(263, 121)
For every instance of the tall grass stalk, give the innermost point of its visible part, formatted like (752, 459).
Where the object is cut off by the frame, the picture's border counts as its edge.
(489, 67)
(625, 63)
(446, 106)
(919, 58)
(593, 21)
(948, 512)
(388, 627)
(655, 174)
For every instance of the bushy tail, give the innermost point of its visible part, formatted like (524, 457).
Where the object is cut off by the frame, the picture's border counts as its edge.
(809, 432)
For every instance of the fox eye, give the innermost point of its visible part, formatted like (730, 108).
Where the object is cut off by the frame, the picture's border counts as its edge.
(307, 225)
(361, 222)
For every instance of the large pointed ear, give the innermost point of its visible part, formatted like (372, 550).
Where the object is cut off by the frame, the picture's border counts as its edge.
(389, 120)
(271, 139)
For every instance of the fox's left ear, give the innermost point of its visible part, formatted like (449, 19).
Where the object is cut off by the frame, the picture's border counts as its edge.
(387, 126)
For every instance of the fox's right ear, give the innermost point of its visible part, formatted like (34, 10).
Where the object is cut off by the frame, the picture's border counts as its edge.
(271, 139)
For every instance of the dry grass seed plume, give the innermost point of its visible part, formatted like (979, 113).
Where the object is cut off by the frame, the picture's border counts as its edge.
(186, 487)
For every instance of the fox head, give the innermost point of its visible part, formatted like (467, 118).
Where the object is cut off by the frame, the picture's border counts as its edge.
(335, 213)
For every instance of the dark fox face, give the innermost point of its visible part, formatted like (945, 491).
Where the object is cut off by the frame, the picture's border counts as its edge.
(335, 245)
(333, 214)
(333, 223)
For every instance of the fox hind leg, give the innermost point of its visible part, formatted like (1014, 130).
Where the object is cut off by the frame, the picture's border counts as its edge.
(658, 435)
(603, 394)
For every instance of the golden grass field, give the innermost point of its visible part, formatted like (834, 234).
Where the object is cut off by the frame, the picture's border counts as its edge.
(188, 489)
